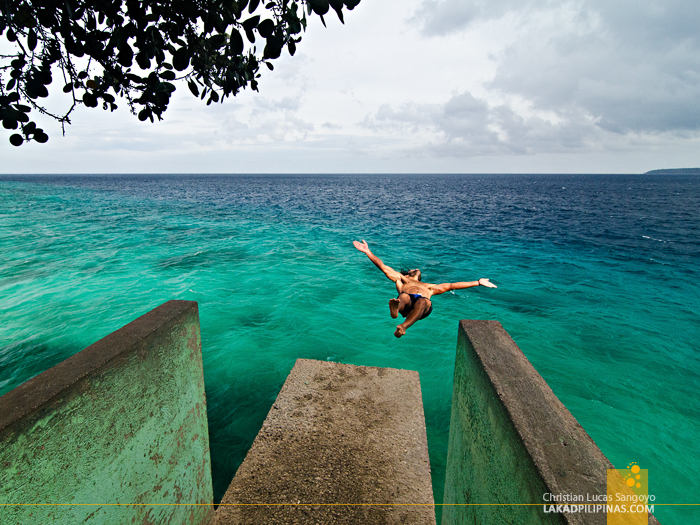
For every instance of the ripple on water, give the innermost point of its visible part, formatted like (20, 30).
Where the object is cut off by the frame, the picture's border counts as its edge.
(270, 263)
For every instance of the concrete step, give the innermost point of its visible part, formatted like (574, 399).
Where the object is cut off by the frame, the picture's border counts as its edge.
(342, 444)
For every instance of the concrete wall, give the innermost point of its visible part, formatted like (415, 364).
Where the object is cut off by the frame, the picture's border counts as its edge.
(511, 439)
(342, 444)
(123, 421)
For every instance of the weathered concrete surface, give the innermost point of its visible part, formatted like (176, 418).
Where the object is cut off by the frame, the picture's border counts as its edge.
(123, 421)
(337, 434)
(511, 439)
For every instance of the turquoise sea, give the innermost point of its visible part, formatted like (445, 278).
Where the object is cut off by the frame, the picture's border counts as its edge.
(598, 282)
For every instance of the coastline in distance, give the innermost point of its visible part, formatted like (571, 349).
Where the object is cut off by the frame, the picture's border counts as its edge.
(674, 171)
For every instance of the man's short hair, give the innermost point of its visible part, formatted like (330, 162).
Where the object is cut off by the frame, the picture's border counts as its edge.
(407, 272)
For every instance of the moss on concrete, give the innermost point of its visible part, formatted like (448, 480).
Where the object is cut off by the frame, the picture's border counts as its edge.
(124, 421)
(512, 440)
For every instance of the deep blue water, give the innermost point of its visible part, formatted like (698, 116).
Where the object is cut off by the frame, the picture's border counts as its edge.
(598, 282)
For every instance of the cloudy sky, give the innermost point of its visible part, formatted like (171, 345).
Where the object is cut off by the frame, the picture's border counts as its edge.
(588, 86)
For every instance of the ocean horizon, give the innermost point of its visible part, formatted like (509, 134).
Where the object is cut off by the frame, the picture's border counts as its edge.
(598, 283)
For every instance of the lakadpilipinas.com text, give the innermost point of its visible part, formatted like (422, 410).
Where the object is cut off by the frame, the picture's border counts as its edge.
(597, 503)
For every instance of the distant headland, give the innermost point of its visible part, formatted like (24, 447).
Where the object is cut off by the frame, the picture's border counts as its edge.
(675, 171)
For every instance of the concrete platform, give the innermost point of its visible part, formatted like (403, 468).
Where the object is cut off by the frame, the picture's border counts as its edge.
(342, 444)
(512, 442)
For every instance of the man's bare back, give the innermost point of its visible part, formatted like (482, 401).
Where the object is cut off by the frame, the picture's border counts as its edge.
(413, 301)
(408, 284)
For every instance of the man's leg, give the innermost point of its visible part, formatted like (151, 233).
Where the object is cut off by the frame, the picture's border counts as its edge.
(397, 305)
(420, 308)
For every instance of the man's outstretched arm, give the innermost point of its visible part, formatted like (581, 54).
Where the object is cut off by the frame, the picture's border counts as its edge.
(388, 271)
(446, 287)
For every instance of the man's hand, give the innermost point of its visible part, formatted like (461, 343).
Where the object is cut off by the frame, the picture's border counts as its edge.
(362, 246)
(487, 283)
(389, 272)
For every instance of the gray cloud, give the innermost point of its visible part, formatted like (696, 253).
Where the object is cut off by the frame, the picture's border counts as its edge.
(409, 117)
(441, 17)
(630, 66)
(466, 126)
(437, 17)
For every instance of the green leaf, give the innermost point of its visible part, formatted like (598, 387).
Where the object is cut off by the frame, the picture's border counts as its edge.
(168, 75)
(236, 42)
(181, 59)
(41, 137)
(217, 41)
(16, 139)
(90, 100)
(320, 7)
(250, 35)
(9, 123)
(45, 78)
(253, 5)
(292, 47)
(273, 48)
(31, 40)
(266, 28)
(25, 18)
(126, 55)
(90, 25)
(193, 88)
(143, 61)
(36, 89)
(251, 22)
(236, 9)
(337, 6)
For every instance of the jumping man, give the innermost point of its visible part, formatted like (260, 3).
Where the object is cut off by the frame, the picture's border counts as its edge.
(413, 301)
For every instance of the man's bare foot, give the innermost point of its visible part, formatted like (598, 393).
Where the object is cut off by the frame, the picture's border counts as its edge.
(400, 330)
(394, 307)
